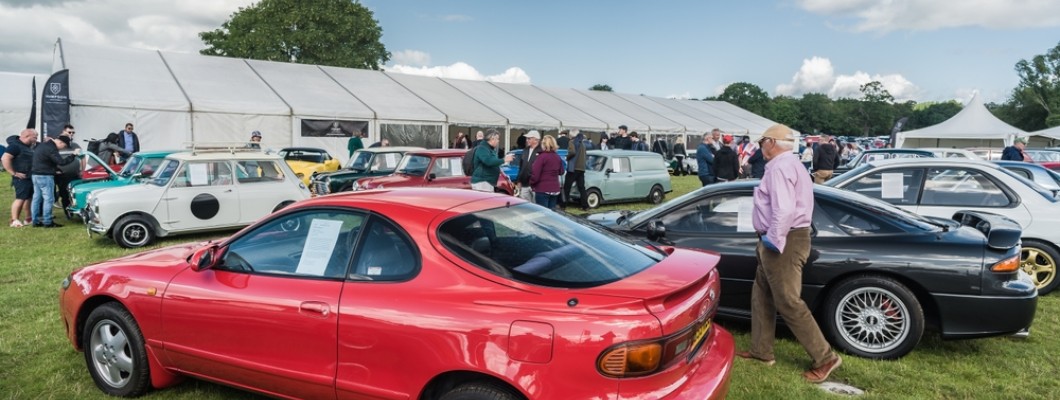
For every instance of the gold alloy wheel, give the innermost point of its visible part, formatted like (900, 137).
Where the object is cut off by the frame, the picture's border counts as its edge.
(1039, 264)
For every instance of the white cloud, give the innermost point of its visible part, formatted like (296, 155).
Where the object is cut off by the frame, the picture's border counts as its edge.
(925, 15)
(462, 70)
(818, 76)
(28, 32)
(683, 96)
(411, 57)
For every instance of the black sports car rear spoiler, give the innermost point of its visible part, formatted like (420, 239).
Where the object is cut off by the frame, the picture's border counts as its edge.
(1001, 232)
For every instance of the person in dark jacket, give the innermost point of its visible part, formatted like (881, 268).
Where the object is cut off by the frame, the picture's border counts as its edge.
(526, 162)
(726, 162)
(622, 141)
(758, 164)
(544, 177)
(487, 165)
(18, 162)
(46, 162)
(564, 139)
(128, 139)
(679, 155)
(705, 160)
(637, 144)
(1015, 152)
(825, 160)
(576, 160)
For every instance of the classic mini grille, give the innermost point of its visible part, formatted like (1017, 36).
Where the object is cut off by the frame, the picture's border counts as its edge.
(320, 188)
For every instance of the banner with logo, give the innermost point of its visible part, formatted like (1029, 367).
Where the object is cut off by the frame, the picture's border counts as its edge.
(55, 104)
(333, 128)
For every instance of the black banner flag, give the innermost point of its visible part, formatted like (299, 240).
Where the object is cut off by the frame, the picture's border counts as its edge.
(55, 104)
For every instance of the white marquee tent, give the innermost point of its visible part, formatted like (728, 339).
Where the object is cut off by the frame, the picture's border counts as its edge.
(173, 98)
(16, 100)
(973, 126)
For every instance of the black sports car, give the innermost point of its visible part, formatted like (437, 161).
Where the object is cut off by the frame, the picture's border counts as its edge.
(876, 276)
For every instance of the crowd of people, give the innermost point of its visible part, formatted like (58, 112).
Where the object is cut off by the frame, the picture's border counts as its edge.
(42, 168)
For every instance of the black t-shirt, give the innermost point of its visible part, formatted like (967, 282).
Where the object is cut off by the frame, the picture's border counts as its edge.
(23, 155)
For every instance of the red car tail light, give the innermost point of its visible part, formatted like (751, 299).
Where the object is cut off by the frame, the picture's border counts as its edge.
(639, 358)
(1010, 264)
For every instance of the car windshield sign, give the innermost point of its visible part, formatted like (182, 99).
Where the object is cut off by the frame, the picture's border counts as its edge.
(530, 244)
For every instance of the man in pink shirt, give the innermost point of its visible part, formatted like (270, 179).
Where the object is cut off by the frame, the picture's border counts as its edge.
(783, 209)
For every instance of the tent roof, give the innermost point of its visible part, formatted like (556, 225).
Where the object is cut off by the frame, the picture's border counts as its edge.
(119, 77)
(458, 107)
(1053, 132)
(224, 85)
(387, 98)
(753, 120)
(518, 112)
(689, 122)
(974, 121)
(712, 120)
(568, 115)
(655, 122)
(309, 91)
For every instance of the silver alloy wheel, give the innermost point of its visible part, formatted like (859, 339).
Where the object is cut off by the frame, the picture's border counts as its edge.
(111, 353)
(872, 319)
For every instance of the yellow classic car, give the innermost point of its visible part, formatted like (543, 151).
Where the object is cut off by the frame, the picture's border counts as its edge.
(306, 161)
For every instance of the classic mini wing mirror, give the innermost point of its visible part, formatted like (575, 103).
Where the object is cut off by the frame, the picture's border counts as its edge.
(431, 177)
(203, 258)
(608, 172)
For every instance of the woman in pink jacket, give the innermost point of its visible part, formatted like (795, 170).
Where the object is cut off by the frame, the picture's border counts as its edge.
(545, 173)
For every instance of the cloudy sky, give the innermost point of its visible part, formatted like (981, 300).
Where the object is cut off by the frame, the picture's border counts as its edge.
(922, 50)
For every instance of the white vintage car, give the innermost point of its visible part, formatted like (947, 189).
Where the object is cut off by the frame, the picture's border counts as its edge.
(195, 191)
(939, 187)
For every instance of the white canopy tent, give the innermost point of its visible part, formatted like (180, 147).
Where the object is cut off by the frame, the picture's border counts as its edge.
(16, 100)
(1053, 135)
(173, 98)
(973, 126)
(712, 121)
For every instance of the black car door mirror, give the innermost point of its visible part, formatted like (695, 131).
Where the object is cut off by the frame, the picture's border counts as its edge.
(431, 177)
(656, 230)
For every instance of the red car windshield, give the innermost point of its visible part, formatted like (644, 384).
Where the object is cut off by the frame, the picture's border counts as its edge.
(530, 244)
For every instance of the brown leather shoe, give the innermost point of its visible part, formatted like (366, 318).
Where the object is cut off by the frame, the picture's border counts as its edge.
(749, 356)
(820, 374)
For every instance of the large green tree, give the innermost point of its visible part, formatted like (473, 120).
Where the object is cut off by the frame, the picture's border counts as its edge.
(1040, 77)
(875, 113)
(1022, 110)
(340, 33)
(784, 110)
(747, 96)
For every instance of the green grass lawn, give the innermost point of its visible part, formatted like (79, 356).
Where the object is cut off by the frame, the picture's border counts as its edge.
(36, 360)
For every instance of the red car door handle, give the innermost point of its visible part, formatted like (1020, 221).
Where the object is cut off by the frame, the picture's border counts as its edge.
(314, 308)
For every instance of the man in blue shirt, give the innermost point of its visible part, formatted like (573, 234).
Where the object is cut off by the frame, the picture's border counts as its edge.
(705, 160)
(128, 140)
(1015, 152)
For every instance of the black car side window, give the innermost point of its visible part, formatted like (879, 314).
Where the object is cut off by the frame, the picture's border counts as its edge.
(315, 243)
(385, 254)
(853, 221)
(895, 186)
(729, 213)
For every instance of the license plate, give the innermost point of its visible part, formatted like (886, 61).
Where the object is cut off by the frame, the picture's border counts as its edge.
(701, 333)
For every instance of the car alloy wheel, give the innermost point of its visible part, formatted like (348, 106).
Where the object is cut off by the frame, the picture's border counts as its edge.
(114, 351)
(874, 317)
(1039, 261)
(133, 232)
(656, 195)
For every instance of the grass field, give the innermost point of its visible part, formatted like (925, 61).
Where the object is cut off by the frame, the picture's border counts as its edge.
(37, 362)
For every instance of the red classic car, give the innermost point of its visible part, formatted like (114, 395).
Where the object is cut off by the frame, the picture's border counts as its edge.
(433, 168)
(407, 294)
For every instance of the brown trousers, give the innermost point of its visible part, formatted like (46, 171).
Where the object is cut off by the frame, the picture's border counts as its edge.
(820, 176)
(778, 288)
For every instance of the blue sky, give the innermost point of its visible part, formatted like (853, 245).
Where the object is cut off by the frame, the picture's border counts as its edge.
(695, 48)
(923, 50)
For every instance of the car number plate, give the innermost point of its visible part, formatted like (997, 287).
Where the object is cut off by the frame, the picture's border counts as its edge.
(701, 333)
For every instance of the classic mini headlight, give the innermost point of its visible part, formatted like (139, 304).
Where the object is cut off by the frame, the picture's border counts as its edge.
(66, 282)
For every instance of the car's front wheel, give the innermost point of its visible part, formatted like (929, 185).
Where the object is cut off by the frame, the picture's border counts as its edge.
(132, 232)
(593, 198)
(656, 195)
(1039, 260)
(481, 391)
(873, 317)
(114, 351)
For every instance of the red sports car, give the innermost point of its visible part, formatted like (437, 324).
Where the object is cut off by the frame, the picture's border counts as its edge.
(407, 294)
(432, 168)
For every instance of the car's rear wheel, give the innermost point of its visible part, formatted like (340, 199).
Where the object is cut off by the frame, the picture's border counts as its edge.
(114, 351)
(481, 391)
(593, 198)
(873, 317)
(131, 232)
(656, 194)
(1039, 260)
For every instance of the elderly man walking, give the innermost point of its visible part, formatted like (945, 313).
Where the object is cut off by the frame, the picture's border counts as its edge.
(526, 165)
(783, 208)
